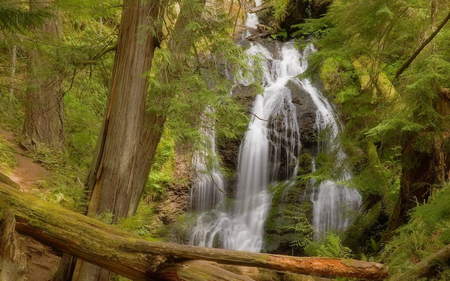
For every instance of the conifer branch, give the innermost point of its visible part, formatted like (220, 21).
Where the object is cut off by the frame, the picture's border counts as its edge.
(97, 56)
(421, 47)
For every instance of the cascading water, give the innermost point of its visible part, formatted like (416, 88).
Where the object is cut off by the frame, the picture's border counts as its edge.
(334, 204)
(272, 138)
(271, 143)
(209, 183)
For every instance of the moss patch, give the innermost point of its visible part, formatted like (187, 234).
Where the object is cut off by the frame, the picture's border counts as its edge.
(288, 198)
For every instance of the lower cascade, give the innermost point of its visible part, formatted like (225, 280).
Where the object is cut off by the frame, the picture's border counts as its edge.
(270, 145)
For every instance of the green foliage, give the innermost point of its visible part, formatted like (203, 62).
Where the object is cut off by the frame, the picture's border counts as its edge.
(161, 173)
(301, 226)
(280, 9)
(180, 231)
(426, 233)
(328, 246)
(65, 189)
(83, 109)
(379, 36)
(88, 9)
(188, 77)
(280, 35)
(139, 224)
(7, 157)
(106, 217)
(16, 19)
(437, 209)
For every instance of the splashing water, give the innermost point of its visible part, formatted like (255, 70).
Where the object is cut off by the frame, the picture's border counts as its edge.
(334, 204)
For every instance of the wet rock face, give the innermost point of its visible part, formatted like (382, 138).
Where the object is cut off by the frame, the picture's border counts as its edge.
(305, 111)
(300, 10)
(296, 12)
(287, 201)
(306, 116)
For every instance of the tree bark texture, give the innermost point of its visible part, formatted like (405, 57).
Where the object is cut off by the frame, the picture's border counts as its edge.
(117, 177)
(422, 173)
(129, 137)
(44, 102)
(13, 264)
(13, 73)
(198, 271)
(139, 259)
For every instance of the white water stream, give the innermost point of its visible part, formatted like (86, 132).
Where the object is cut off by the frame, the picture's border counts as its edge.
(334, 204)
(241, 226)
(272, 138)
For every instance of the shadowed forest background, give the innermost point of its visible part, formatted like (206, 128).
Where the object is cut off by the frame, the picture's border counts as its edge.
(107, 105)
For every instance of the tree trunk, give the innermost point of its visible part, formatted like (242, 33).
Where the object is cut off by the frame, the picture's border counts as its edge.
(421, 174)
(129, 137)
(13, 73)
(44, 102)
(139, 259)
(13, 264)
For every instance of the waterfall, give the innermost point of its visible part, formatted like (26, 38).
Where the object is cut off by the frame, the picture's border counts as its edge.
(269, 154)
(334, 204)
(209, 184)
(272, 138)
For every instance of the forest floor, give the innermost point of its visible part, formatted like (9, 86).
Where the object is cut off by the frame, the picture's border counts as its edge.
(42, 260)
(27, 173)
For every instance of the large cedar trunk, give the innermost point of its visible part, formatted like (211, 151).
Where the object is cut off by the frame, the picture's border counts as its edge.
(44, 101)
(129, 137)
(422, 173)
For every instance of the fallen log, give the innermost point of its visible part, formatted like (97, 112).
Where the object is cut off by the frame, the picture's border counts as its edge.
(198, 271)
(5, 179)
(140, 259)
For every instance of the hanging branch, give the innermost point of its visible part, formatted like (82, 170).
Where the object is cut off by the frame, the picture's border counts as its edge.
(421, 47)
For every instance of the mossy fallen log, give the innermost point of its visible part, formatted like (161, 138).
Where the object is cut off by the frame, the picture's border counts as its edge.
(139, 259)
(198, 271)
(5, 179)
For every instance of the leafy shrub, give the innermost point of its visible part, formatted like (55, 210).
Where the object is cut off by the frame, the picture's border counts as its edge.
(329, 246)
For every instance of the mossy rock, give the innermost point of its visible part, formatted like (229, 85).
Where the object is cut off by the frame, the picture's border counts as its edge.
(287, 200)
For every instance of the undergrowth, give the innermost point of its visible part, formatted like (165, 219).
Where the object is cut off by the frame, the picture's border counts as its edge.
(427, 232)
(7, 158)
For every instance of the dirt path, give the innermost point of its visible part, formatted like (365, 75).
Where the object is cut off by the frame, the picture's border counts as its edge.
(42, 261)
(26, 173)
